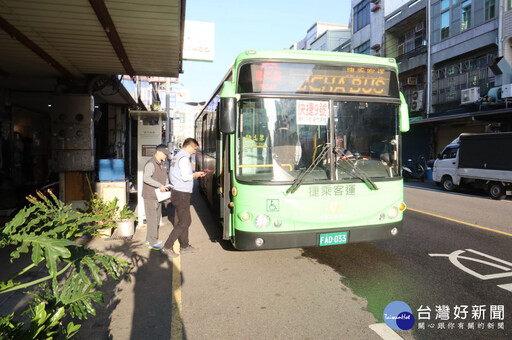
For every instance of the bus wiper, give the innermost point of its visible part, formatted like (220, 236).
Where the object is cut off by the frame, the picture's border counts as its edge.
(296, 184)
(355, 171)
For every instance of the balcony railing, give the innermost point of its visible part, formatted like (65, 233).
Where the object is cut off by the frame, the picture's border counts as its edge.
(417, 51)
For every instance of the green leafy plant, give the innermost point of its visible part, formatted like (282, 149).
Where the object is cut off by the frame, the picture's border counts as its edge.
(46, 230)
(126, 213)
(105, 212)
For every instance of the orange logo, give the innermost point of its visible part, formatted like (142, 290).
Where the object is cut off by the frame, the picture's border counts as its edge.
(334, 207)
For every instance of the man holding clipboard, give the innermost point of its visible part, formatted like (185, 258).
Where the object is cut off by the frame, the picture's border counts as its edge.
(155, 179)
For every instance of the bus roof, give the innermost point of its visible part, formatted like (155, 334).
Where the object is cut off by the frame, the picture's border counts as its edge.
(316, 55)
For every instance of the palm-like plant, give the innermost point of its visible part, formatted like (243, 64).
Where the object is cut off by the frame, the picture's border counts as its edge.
(47, 230)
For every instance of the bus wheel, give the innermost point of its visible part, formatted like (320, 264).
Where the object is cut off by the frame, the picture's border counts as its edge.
(447, 183)
(497, 191)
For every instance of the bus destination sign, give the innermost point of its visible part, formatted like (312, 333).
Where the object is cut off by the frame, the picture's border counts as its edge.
(318, 79)
(360, 80)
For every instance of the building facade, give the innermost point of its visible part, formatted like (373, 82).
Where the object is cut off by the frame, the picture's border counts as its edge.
(324, 37)
(453, 58)
(367, 23)
(332, 40)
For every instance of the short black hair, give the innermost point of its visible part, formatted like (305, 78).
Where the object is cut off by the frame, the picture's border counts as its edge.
(190, 141)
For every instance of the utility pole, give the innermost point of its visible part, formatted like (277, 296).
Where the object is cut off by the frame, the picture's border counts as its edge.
(429, 60)
(167, 109)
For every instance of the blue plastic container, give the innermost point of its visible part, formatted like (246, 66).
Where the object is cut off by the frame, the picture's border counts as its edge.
(429, 173)
(111, 170)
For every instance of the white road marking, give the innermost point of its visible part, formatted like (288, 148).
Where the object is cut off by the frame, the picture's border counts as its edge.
(455, 256)
(507, 286)
(384, 331)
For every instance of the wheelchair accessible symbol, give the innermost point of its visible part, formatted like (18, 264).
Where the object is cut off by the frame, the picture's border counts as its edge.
(272, 205)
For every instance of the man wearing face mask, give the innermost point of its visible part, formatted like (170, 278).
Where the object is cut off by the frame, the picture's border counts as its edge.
(154, 177)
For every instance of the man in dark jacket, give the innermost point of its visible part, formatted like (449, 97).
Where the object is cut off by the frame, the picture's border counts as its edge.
(154, 177)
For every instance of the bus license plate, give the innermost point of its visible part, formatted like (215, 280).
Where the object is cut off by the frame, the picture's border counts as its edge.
(333, 238)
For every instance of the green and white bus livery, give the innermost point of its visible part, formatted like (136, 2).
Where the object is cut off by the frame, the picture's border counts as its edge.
(302, 148)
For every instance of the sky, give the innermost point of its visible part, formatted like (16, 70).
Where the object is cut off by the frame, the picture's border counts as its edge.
(242, 25)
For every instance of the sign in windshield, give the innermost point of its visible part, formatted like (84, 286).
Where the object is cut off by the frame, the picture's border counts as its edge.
(267, 77)
(311, 112)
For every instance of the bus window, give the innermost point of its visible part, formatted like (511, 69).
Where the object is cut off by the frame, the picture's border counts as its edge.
(273, 145)
(366, 133)
(253, 150)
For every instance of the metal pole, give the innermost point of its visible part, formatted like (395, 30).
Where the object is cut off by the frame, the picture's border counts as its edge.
(429, 68)
(167, 110)
(501, 51)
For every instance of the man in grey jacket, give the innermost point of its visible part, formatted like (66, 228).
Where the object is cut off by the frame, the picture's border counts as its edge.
(182, 181)
(154, 177)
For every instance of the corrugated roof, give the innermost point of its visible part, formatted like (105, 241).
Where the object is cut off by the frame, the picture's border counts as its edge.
(53, 38)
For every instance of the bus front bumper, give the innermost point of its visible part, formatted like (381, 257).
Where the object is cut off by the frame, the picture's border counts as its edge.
(311, 238)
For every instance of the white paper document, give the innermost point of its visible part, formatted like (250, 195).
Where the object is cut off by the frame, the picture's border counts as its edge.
(162, 196)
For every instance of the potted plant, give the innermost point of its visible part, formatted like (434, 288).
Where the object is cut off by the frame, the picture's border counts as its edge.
(107, 213)
(126, 222)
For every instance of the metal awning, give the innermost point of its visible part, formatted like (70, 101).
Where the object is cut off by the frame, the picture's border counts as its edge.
(503, 113)
(75, 38)
(134, 114)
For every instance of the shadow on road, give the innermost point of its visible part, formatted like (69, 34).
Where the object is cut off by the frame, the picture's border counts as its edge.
(208, 220)
(140, 306)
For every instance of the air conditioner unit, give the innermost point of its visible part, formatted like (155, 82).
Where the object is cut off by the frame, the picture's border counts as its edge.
(411, 80)
(417, 101)
(506, 91)
(375, 8)
(469, 96)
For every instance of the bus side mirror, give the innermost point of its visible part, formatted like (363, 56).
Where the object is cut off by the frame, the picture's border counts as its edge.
(227, 124)
(404, 114)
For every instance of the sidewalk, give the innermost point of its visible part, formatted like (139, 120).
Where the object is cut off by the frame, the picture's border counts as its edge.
(141, 306)
(135, 307)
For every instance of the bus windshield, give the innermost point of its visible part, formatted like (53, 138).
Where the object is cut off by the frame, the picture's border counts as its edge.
(279, 138)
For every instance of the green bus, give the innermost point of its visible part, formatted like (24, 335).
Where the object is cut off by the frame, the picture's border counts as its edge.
(302, 148)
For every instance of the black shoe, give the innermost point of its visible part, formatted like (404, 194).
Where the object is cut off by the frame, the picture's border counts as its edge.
(188, 250)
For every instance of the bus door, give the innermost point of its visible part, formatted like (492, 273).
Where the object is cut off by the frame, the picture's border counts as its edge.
(225, 188)
(204, 138)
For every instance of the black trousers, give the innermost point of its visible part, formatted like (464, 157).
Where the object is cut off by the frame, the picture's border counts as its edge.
(181, 202)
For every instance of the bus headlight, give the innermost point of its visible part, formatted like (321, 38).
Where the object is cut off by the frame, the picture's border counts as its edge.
(262, 221)
(393, 212)
(245, 216)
